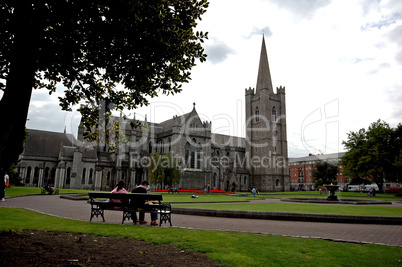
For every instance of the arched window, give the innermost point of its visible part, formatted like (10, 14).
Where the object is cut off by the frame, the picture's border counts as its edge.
(162, 149)
(199, 156)
(150, 147)
(137, 145)
(90, 176)
(192, 154)
(68, 178)
(274, 114)
(83, 176)
(36, 176)
(46, 176)
(169, 144)
(108, 178)
(28, 176)
(277, 182)
(257, 114)
(52, 176)
(187, 153)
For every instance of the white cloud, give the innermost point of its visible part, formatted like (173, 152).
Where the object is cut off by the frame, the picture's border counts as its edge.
(217, 51)
(321, 51)
(301, 8)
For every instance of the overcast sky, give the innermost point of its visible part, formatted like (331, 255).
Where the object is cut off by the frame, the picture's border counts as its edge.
(340, 62)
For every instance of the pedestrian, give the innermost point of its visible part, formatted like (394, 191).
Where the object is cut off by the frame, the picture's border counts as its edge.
(254, 191)
(3, 188)
(233, 187)
(7, 180)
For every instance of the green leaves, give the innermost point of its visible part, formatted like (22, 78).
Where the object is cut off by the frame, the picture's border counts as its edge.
(163, 169)
(374, 153)
(93, 47)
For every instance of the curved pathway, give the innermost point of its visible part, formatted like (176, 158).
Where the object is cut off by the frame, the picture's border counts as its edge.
(341, 232)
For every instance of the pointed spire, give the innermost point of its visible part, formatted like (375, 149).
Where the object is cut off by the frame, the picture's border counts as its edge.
(264, 75)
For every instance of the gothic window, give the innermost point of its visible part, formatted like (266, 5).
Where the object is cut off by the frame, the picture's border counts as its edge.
(150, 147)
(52, 176)
(162, 144)
(192, 154)
(28, 176)
(108, 178)
(46, 176)
(277, 182)
(83, 176)
(90, 176)
(274, 114)
(137, 145)
(169, 144)
(36, 175)
(68, 176)
(187, 153)
(199, 156)
(257, 114)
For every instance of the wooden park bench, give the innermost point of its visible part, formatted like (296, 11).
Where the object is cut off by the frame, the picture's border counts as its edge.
(129, 203)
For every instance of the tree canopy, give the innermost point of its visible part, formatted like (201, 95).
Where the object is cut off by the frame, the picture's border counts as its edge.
(325, 173)
(106, 53)
(163, 170)
(374, 153)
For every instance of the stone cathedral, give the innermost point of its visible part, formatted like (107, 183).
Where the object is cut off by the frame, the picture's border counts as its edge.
(258, 160)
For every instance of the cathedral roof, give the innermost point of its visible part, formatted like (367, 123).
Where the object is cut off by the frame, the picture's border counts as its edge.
(46, 144)
(168, 124)
(227, 140)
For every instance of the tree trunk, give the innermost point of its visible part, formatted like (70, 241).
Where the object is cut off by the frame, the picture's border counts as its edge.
(17, 95)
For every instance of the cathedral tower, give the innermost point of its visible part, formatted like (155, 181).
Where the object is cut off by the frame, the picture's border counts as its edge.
(266, 138)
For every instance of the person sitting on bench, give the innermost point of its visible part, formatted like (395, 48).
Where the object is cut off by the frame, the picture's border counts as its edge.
(120, 188)
(49, 189)
(142, 188)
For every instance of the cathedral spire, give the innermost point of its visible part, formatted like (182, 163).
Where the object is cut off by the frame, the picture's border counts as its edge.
(264, 75)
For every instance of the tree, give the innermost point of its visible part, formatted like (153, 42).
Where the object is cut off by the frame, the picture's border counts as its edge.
(325, 173)
(90, 47)
(163, 170)
(374, 153)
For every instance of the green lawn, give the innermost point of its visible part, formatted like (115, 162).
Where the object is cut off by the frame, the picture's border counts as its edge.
(23, 191)
(228, 248)
(302, 208)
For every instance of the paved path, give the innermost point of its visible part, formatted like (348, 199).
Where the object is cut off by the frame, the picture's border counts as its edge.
(355, 233)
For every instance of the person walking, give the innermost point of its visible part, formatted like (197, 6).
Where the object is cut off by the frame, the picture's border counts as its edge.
(3, 188)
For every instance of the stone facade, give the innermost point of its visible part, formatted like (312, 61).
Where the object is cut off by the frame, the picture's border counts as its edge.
(259, 160)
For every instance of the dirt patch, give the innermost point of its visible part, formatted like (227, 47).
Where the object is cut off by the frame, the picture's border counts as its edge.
(40, 248)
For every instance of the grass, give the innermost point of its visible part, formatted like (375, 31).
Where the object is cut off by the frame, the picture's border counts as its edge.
(24, 191)
(228, 248)
(303, 208)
